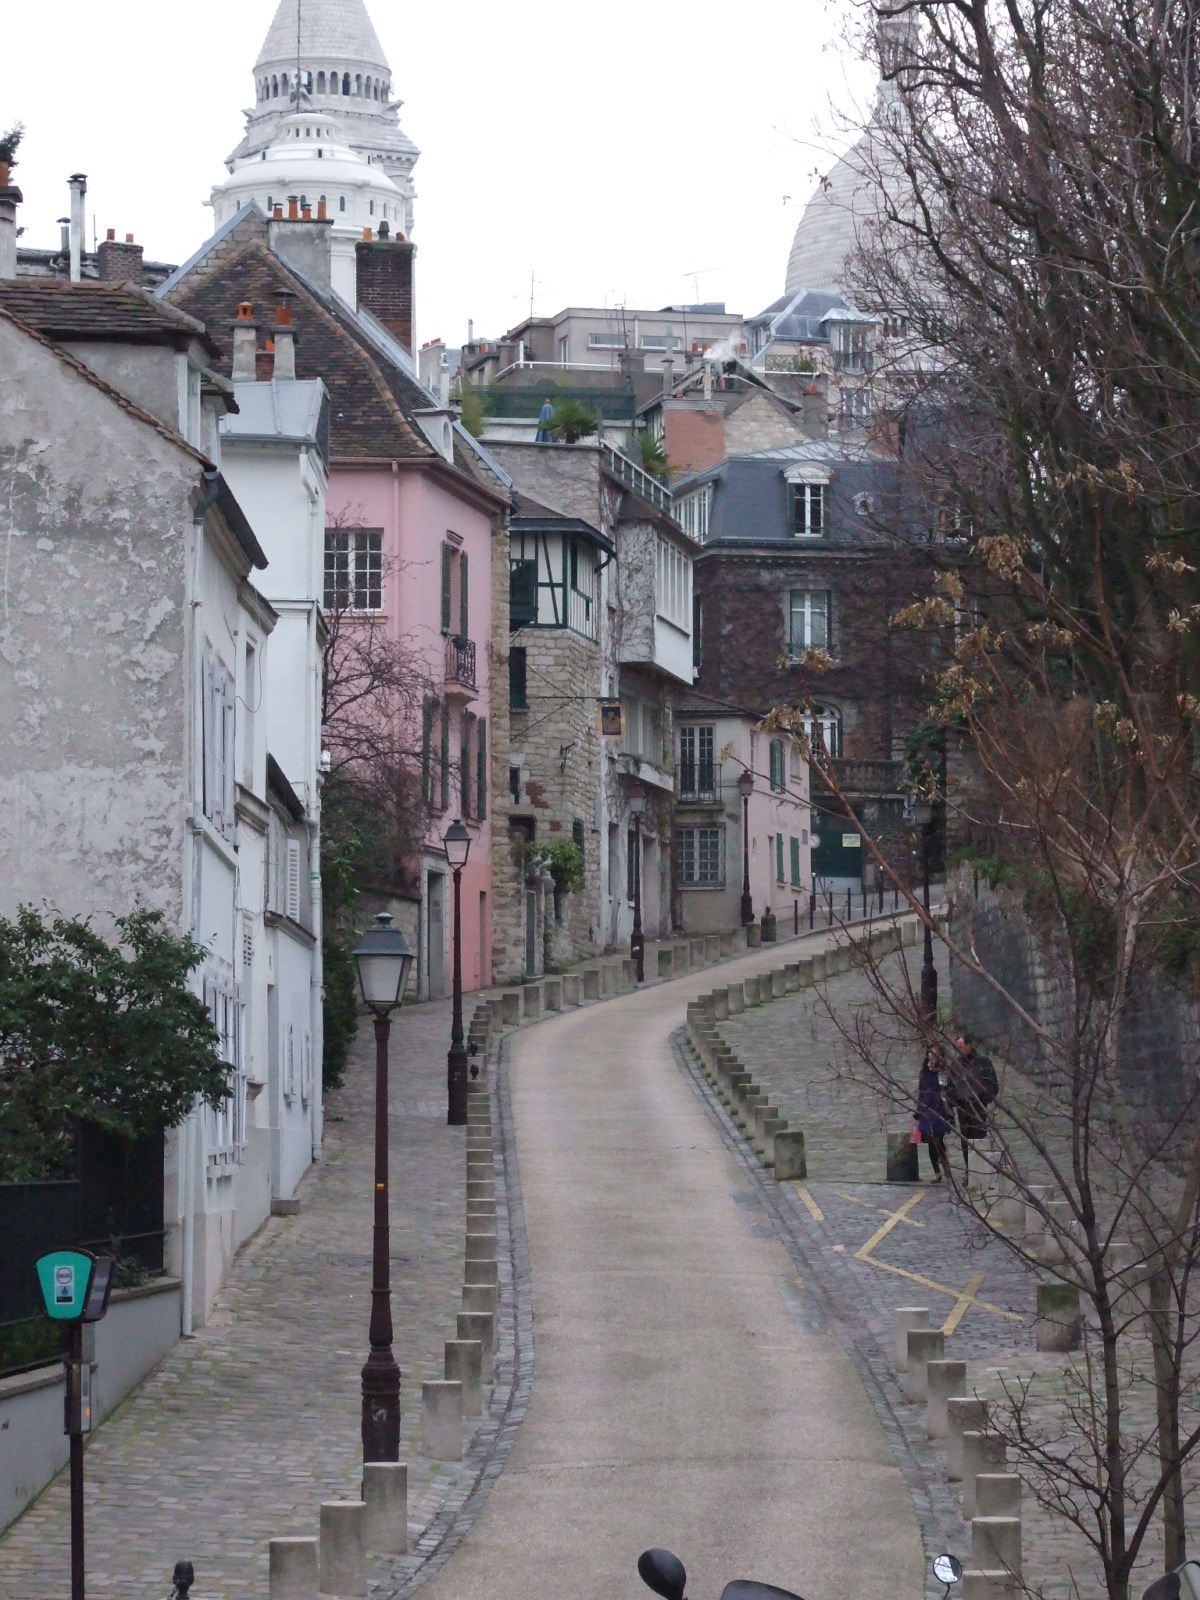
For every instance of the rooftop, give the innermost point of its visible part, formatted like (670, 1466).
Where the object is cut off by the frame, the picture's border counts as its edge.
(100, 311)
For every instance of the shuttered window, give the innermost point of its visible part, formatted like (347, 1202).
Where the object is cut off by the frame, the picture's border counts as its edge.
(465, 761)
(779, 858)
(427, 751)
(293, 879)
(795, 863)
(481, 785)
(445, 758)
(464, 615)
(447, 583)
(778, 770)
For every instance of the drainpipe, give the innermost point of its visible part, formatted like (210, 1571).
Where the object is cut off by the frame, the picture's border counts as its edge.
(78, 186)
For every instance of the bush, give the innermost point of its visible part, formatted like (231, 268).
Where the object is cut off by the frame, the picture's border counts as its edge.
(565, 861)
(571, 421)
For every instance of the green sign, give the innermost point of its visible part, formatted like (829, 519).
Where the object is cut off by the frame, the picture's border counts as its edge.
(65, 1276)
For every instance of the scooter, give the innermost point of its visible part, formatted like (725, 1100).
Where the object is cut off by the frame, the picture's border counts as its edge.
(665, 1574)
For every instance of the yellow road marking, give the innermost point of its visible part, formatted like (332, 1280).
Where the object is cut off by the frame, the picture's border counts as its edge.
(961, 1304)
(867, 1206)
(810, 1205)
(895, 1218)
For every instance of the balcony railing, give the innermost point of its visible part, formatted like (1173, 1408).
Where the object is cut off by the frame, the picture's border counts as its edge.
(460, 662)
(640, 481)
(698, 783)
(864, 777)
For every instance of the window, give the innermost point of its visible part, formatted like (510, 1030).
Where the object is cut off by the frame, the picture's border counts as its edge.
(518, 697)
(341, 202)
(699, 853)
(447, 584)
(660, 341)
(522, 593)
(564, 351)
(850, 347)
(778, 772)
(353, 569)
(227, 1123)
(481, 773)
(692, 513)
(345, 83)
(823, 726)
(779, 878)
(320, 83)
(464, 615)
(606, 341)
(466, 762)
(697, 770)
(795, 844)
(673, 584)
(797, 764)
(808, 509)
(251, 697)
(810, 620)
(218, 707)
(427, 750)
(445, 758)
(856, 405)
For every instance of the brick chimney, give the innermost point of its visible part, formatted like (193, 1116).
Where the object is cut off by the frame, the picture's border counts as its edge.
(245, 343)
(303, 244)
(384, 279)
(119, 263)
(285, 341)
(10, 199)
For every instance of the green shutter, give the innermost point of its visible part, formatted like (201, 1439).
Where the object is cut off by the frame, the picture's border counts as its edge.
(795, 863)
(464, 615)
(464, 773)
(779, 858)
(427, 750)
(481, 772)
(445, 795)
(447, 570)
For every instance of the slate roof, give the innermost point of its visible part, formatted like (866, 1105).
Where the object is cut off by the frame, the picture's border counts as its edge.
(335, 29)
(530, 516)
(62, 310)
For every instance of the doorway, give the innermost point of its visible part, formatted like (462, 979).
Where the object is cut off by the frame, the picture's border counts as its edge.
(435, 900)
(531, 962)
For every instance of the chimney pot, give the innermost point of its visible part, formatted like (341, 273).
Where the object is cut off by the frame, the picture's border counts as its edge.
(119, 263)
(306, 213)
(293, 208)
(283, 312)
(245, 342)
(245, 312)
(321, 212)
(366, 235)
(279, 213)
(128, 238)
(111, 234)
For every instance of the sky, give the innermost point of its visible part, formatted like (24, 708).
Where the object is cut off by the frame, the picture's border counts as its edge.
(648, 153)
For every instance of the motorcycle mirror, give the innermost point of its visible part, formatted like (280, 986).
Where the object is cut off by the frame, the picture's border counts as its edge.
(947, 1569)
(664, 1573)
(747, 1589)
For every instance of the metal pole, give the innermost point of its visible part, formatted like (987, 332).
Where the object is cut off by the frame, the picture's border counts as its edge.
(849, 904)
(747, 902)
(829, 909)
(456, 1060)
(812, 906)
(637, 942)
(795, 917)
(929, 981)
(77, 1556)
(381, 1375)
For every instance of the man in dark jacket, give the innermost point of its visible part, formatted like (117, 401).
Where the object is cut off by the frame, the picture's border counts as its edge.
(973, 1090)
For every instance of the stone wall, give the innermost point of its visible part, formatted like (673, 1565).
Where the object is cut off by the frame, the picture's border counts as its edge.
(1161, 1025)
(508, 890)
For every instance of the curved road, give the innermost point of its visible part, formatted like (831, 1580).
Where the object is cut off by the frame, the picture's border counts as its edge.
(675, 1398)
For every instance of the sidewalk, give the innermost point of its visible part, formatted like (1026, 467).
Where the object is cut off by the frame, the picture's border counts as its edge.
(244, 1429)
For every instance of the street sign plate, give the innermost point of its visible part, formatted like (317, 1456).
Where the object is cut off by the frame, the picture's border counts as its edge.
(65, 1277)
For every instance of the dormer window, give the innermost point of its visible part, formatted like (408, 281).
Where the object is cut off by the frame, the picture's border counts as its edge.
(808, 509)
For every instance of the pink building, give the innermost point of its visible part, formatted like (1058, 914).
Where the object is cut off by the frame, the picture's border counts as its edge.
(415, 516)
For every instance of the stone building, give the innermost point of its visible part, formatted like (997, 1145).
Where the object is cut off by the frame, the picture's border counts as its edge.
(600, 621)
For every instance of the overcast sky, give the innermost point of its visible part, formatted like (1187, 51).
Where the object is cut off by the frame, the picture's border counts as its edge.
(639, 155)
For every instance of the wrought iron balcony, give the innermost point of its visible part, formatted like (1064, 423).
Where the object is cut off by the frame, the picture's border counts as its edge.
(698, 783)
(460, 663)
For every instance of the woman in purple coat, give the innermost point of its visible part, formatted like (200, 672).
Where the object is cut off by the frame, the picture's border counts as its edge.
(933, 1113)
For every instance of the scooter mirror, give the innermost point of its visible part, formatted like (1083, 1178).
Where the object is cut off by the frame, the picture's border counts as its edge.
(747, 1589)
(947, 1569)
(664, 1573)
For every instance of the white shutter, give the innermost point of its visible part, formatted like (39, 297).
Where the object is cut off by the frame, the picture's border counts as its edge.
(208, 768)
(229, 708)
(293, 879)
(306, 1069)
(289, 1062)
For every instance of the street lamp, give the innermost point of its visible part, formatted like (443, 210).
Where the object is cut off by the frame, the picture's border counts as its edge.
(923, 816)
(745, 786)
(637, 942)
(384, 961)
(457, 845)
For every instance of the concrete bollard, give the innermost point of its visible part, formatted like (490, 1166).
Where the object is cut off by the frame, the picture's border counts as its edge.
(753, 936)
(292, 1569)
(572, 989)
(818, 966)
(1059, 1321)
(981, 1453)
(733, 941)
(552, 992)
(480, 1325)
(1036, 1196)
(778, 984)
(772, 1127)
(712, 947)
(682, 953)
(591, 983)
(908, 1319)
(805, 973)
(480, 1272)
(532, 1000)
(924, 1345)
(964, 1414)
(666, 962)
(510, 1002)
(481, 1297)
(997, 1494)
(720, 1004)
(696, 956)
(791, 975)
(608, 981)
(441, 1420)
(481, 1246)
(788, 1155)
(385, 1495)
(902, 1159)
(735, 998)
(943, 1378)
(464, 1365)
(989, 1585)
(343, 1557)
(996, 1544)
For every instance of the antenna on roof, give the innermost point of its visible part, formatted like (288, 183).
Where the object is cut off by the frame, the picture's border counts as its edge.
(297, 94)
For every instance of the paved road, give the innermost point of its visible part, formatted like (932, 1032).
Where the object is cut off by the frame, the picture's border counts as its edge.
(681, 1395)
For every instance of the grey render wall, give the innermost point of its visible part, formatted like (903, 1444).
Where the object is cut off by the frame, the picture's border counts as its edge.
(1161, 1026)
(95, 523)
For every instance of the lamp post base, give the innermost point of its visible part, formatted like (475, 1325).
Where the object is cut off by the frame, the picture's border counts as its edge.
(381, 1407)
(457, 1078)
(747, 910)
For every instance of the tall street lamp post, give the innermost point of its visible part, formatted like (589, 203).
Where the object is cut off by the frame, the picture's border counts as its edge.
(745, 785)
(923, 817)
(457, 844)
(637, 942)
(384, 961)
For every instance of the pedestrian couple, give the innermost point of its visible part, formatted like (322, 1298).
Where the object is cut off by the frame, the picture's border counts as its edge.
(960, 1088)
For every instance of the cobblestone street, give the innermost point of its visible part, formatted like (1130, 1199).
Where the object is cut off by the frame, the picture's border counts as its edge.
(245, 1428)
